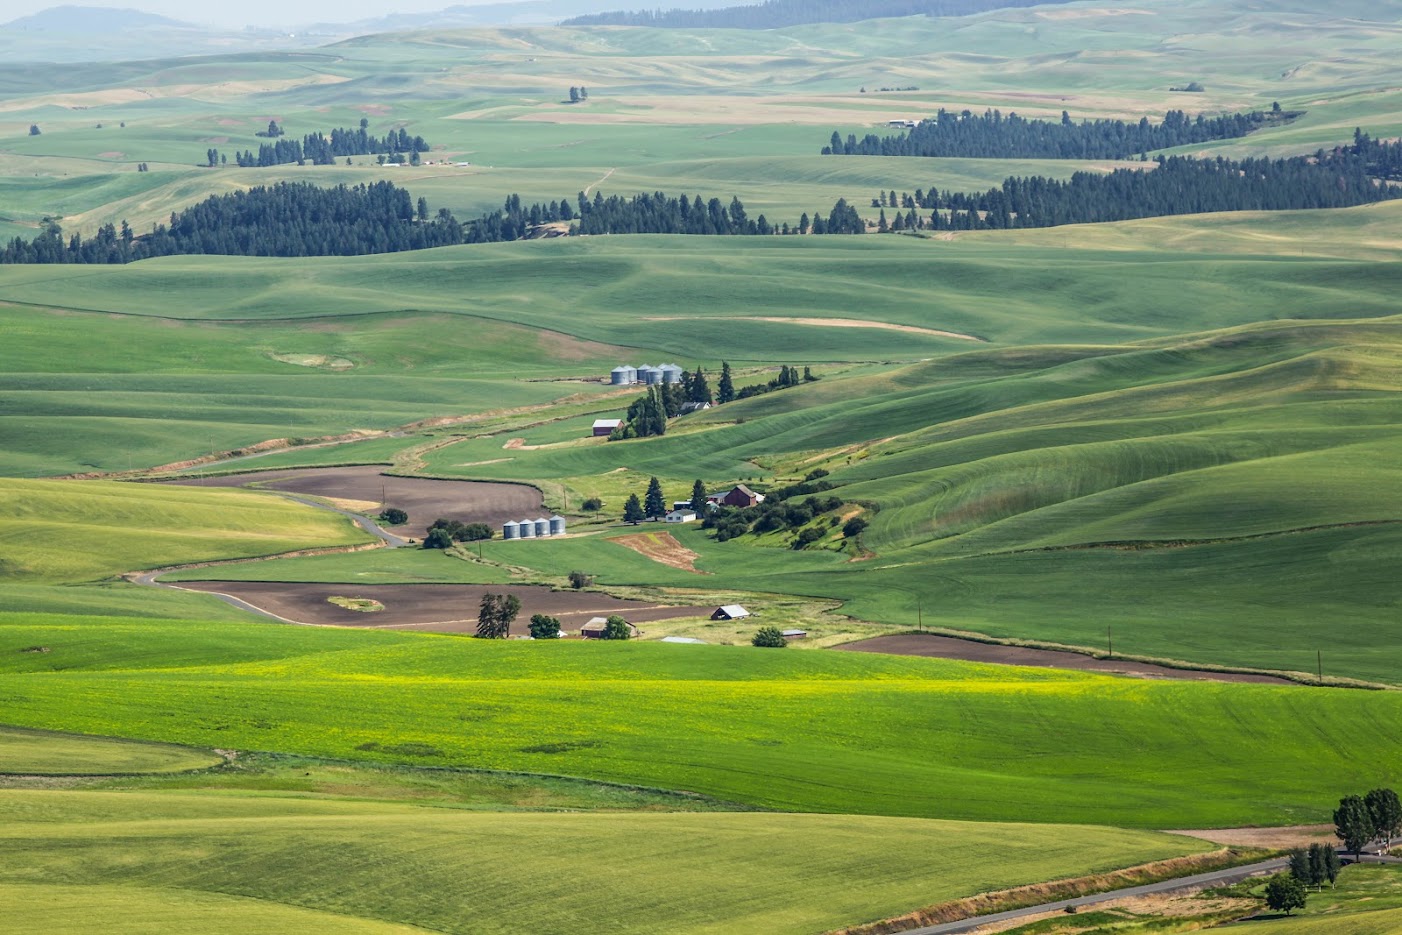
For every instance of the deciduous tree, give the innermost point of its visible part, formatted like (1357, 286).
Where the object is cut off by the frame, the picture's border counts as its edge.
(1353, 824)
(544, 628)
(1284, 893)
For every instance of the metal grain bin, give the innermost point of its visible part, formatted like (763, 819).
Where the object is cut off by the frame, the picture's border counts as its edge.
(621, 376)
(510, 530)
(557, 525)
(671, 373)
(527, 529)
(542, 527)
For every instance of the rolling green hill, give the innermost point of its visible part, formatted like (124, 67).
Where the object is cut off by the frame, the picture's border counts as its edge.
(326, 866)
(811, 731)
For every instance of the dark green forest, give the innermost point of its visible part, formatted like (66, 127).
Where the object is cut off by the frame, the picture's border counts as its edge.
(656, 213)
(776, 14)
(289, 219)
(1344, 178)
(994, 135)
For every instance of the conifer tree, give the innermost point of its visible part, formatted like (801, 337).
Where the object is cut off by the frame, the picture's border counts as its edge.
(654, 504)
(726, 389)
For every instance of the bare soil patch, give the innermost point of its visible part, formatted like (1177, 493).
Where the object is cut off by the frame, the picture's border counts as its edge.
(424, 499)
(661, 547)
(433, 608)
(1269, 838)
(948, 647)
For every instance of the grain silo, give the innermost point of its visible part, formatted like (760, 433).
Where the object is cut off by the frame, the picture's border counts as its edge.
(542, 527)
(623, 376)
(671, 373)
(527, 529)
(652, 376)
(557, 525)
(510, 529)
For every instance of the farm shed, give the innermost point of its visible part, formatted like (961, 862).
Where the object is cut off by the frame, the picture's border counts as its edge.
(730, 612)
(681, 516)
(794, 634)
(604, 427)
(694, 407)
(741, 496)
(598, 626)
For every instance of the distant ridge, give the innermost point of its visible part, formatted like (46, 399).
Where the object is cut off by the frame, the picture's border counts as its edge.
(508, 13)
(776, 14)
(89, 20)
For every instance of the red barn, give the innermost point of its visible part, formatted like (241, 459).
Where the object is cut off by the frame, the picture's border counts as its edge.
(741, 496)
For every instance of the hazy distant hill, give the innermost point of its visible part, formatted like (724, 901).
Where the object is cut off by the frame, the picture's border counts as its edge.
(87, 20)
(776, 14)
(524, 13)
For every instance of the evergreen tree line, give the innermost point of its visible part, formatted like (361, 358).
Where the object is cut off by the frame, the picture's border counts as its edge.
(320, 150)
(995, 136)
(288, 219)
(1178, 185)
(655, 213)
(776, 14)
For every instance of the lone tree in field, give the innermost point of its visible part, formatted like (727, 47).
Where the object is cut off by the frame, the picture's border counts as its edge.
(769, 637)
(393, 516)
(1284, 893)
(579, 579)
(698, 496)
(1386, 811)
(1353, 824)
(34, 129)
(592, 505)
(616, 628)
(544, 628)
(655, 504)
(633, 510)
(495, 615)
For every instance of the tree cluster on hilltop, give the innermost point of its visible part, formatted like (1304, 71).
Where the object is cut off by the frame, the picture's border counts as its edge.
(321, 150)
(289, 219)
(994, 135)
(776, 14)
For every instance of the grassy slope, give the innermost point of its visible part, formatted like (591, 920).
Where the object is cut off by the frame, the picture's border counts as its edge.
(880, 735)
(722, 873)
(1367, 901)
(39, 753)
(62, 532)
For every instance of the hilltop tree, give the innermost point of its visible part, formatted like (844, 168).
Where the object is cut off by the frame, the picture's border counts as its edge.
(633, 510)
(1386, 812)
(592, 505)
(1353, 824)
(544, 628)
(495, 615)
(654, 503)
(698, 496)
(393, 516)
(34, 129)
(574, 94)
(1284, 893)
(726, 389)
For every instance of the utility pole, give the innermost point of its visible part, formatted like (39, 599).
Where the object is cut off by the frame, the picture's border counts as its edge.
(1109, 642)
(920, 615)
(1319, 662)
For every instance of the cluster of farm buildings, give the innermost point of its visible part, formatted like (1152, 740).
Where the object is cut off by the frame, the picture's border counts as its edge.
(738, 496)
